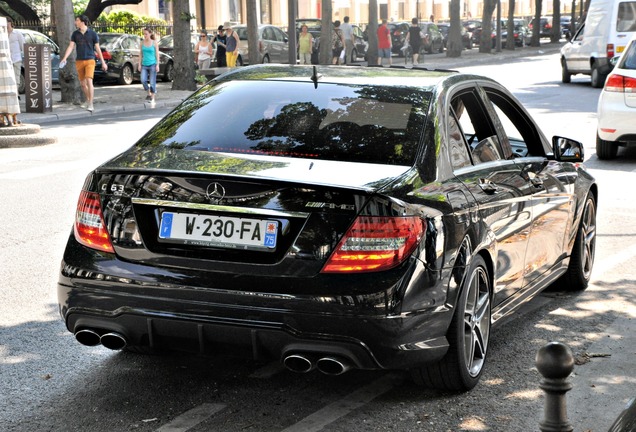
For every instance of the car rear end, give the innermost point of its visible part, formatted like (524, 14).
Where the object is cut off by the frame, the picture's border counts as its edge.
(279, 236)
(617, 106)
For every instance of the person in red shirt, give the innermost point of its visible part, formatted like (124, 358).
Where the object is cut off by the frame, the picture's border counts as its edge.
(384, 43)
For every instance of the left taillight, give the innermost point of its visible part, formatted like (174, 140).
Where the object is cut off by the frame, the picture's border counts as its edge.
(375, 243)
(621, 84)
(90, 229)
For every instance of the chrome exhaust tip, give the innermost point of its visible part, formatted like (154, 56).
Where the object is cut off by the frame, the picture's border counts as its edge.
(333, 365)
(298, 363)
(87, 337)
(113, 341)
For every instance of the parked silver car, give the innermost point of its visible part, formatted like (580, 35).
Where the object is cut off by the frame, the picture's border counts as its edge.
(273, 44)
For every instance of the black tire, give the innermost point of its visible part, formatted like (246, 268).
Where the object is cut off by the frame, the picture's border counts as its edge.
(468, 336)
(126, 75)
(579, 271)
(605, 150)
(168, 72)
(239, 60)
(566, 76)
(597, 78)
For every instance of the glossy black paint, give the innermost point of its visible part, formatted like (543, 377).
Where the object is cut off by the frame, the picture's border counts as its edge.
(520, 214)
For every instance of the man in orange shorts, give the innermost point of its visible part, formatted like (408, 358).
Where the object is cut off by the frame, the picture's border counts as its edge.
(87, 43)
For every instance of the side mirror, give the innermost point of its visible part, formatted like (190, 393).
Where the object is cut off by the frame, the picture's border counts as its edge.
(614, 60)
(567, 150)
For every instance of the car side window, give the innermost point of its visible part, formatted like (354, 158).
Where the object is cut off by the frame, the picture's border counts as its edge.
(578, 37)
(477, 127)
(519, 134)
(458, 148)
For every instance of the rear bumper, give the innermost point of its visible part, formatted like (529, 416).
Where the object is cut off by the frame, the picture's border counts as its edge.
(155, 312)
(615, 118)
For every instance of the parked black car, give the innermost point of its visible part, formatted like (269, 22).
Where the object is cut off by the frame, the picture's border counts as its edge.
(340, 221)
(398, 30)
(545, 26)
(444, 29)
(121, 53)
(434, 41)
(521, 33)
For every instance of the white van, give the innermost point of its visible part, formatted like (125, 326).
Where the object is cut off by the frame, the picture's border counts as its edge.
(608, 27)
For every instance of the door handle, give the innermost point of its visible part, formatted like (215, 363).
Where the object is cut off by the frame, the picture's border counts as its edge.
(488, 186)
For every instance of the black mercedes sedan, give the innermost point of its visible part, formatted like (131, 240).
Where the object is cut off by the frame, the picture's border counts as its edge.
(330, 218)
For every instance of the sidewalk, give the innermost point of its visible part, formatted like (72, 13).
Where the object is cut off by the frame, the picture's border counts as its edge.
(108, 99)
(111, 99)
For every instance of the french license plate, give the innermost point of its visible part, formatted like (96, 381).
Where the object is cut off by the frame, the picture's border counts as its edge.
(220, 231)
(620, 49)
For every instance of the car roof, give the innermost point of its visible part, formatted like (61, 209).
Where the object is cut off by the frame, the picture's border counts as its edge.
(422, 79)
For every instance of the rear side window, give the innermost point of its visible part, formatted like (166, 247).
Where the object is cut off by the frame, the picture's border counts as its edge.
(371, 124)
(626, 18)
(629, 58)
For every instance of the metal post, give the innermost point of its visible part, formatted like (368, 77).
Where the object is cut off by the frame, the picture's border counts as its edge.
(555, 362)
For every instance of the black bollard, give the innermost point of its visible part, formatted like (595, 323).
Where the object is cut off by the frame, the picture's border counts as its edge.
(555, 362)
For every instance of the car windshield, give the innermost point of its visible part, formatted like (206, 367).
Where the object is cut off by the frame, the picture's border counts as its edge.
(241, 32)
(108, 40)
(165, 42)
(373, 124)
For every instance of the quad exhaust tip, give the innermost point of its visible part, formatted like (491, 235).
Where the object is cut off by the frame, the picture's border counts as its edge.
(112, 340)
(87, 337)
(329, 365)
(299, 363)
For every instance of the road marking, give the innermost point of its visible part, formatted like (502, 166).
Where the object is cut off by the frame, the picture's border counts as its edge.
(191, 418)
(612, 261)
(340, 408)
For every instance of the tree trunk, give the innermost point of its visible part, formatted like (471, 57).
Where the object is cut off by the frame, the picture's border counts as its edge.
(536, 25)
(96, 7)
(252, 32)
(69, 83)
(510, 27)
(555, 37)
(455, 43)
(183, 55)
(325, 34)
(485, 42)
(372, 33)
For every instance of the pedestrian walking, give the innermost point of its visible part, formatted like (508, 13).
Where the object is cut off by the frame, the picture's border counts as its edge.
(414, 38)
(9, 104)
(384, 43)
(220, 40)
(347, 34)
(87, 43)
(16, 47)
(231, 45)
(149, 64)
(337, 43)
(203, 51)
(305, 45)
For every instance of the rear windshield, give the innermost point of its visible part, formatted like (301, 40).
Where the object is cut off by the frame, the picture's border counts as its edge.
(372, 124)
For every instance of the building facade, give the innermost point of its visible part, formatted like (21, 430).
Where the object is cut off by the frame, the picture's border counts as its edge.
(209, 14)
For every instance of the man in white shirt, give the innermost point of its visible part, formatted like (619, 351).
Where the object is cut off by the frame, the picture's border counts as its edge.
(347, 33)
(16, 47)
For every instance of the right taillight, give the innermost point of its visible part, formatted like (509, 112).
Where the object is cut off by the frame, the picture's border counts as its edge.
(621, 84)
(376, 243)
(90, 229)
